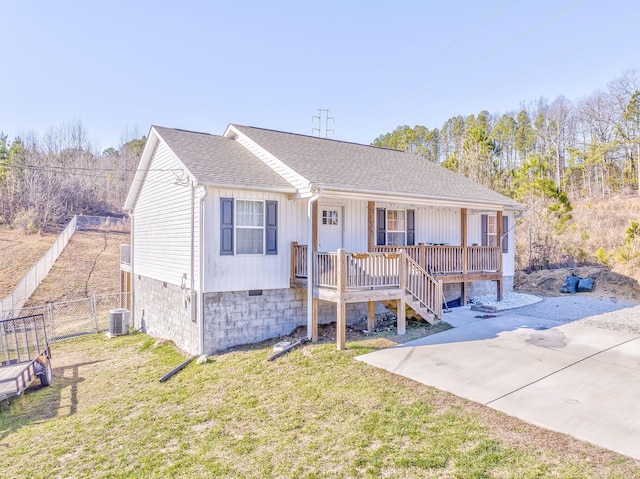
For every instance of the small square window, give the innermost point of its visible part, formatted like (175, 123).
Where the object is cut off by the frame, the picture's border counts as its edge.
(330, 217)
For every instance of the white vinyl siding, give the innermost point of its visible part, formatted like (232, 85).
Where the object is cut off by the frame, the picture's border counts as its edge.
(165, 238)
(242, 272)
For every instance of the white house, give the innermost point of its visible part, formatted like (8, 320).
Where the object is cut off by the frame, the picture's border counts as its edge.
(246, 236)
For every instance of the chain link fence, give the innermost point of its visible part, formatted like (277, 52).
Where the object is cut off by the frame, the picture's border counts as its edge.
(103, 223)
(78, 317)
(28, 284)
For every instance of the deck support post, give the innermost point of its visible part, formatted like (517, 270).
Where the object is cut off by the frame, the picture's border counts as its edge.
(341, 307)
(402, 307)
(371, 316)
(499, 245)
(341, 326)
(314, 320)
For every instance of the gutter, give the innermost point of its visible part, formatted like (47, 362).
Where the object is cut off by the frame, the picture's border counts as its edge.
(312, 200)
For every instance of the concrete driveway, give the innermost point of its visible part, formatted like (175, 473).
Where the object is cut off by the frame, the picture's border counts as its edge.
(575, 379)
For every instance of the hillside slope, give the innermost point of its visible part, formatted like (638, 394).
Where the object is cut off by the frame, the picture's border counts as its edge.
(595, 245)
(90, 264)
(18, 254)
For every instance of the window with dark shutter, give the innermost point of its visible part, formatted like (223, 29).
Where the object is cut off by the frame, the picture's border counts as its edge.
(271, 227)
(484, 227)
(381, 226)
(226, 226)
(505, 234)
(411, 227)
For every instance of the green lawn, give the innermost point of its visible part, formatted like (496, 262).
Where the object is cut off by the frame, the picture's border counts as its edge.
(313, 413)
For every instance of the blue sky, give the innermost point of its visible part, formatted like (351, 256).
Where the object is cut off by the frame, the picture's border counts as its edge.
(199, 65)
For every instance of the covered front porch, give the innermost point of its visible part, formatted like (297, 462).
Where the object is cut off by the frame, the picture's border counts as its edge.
(407, 278)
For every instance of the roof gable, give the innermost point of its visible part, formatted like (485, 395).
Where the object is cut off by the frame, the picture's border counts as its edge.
(219, 161)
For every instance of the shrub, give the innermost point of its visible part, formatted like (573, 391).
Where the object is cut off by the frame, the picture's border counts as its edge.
(602, 256)
(26, 221)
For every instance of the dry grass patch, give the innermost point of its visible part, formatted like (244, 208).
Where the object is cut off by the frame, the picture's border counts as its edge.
(312, 413)
(90, 264)
(18, 253)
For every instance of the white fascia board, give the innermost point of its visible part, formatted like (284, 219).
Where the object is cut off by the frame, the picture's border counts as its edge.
(227, 186)
(299, 182)
(418, 200)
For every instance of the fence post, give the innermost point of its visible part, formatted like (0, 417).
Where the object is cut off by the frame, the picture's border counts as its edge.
(52, 332)
(94, 314)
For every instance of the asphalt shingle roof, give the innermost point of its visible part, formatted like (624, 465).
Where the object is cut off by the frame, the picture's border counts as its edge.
(328, 164)
(340, 165)
(220, 161)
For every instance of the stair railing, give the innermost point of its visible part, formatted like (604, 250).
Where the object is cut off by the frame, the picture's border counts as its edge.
(422, 286)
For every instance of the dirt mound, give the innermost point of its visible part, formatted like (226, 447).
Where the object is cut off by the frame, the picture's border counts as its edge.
(607, 284)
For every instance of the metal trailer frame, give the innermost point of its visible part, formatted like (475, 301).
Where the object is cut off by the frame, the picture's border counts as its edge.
(24, 354)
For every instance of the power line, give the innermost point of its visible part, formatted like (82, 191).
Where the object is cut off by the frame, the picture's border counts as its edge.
(69, 169)
(472, 63)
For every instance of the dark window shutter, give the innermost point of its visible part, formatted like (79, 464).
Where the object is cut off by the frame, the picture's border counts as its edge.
(381, 225)
(226, 226)
(271, 230)
(411, 227)
(505, 234)
(484, 227)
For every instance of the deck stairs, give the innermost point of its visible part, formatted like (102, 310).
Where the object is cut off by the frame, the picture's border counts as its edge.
(413, 309)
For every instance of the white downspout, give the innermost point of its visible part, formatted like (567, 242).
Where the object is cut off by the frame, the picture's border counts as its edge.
(310, 219)
(201, 270)
(132, 279)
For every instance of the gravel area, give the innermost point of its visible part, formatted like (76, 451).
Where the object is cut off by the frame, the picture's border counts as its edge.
(598, 312)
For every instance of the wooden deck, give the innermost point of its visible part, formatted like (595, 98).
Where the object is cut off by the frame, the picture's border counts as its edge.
(344, 278)
(449, 264)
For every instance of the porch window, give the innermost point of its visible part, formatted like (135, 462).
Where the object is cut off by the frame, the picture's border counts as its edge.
(248, 227)
(490, 231)
(395, 227)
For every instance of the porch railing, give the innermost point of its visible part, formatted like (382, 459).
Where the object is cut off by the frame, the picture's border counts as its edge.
(483, 259)
(435, 259)
(356, 271)
(441, 259)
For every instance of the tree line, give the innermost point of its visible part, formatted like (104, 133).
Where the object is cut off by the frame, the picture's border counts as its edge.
(46, 179)
(545, 154)
(590, 148)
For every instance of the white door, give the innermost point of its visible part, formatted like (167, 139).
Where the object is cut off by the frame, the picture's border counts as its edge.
(330, 220)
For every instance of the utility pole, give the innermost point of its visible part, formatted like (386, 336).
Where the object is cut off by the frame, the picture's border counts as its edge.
(322, 115)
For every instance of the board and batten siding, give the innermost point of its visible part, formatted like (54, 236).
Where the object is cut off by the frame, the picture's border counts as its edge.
(243, 272)
(162, 242)
(474, 231)
(432, 224)
(354, 221)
